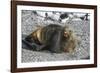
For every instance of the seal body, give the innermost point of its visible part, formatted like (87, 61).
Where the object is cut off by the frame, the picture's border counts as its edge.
(53, 37)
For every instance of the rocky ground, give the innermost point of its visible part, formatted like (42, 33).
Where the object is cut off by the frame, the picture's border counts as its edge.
(81, 29)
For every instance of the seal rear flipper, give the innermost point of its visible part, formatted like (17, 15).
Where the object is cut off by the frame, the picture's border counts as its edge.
(28, 45)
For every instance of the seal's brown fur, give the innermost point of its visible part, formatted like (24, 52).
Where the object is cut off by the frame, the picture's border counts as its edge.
(68, 39)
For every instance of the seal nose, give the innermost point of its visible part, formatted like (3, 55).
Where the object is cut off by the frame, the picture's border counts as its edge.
(65, 34)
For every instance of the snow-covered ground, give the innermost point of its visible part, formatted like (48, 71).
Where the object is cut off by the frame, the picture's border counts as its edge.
(81, 29)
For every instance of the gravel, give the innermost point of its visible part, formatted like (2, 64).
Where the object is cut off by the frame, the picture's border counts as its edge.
(81, 29)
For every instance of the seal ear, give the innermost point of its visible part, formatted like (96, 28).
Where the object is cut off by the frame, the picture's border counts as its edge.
(71, 31)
